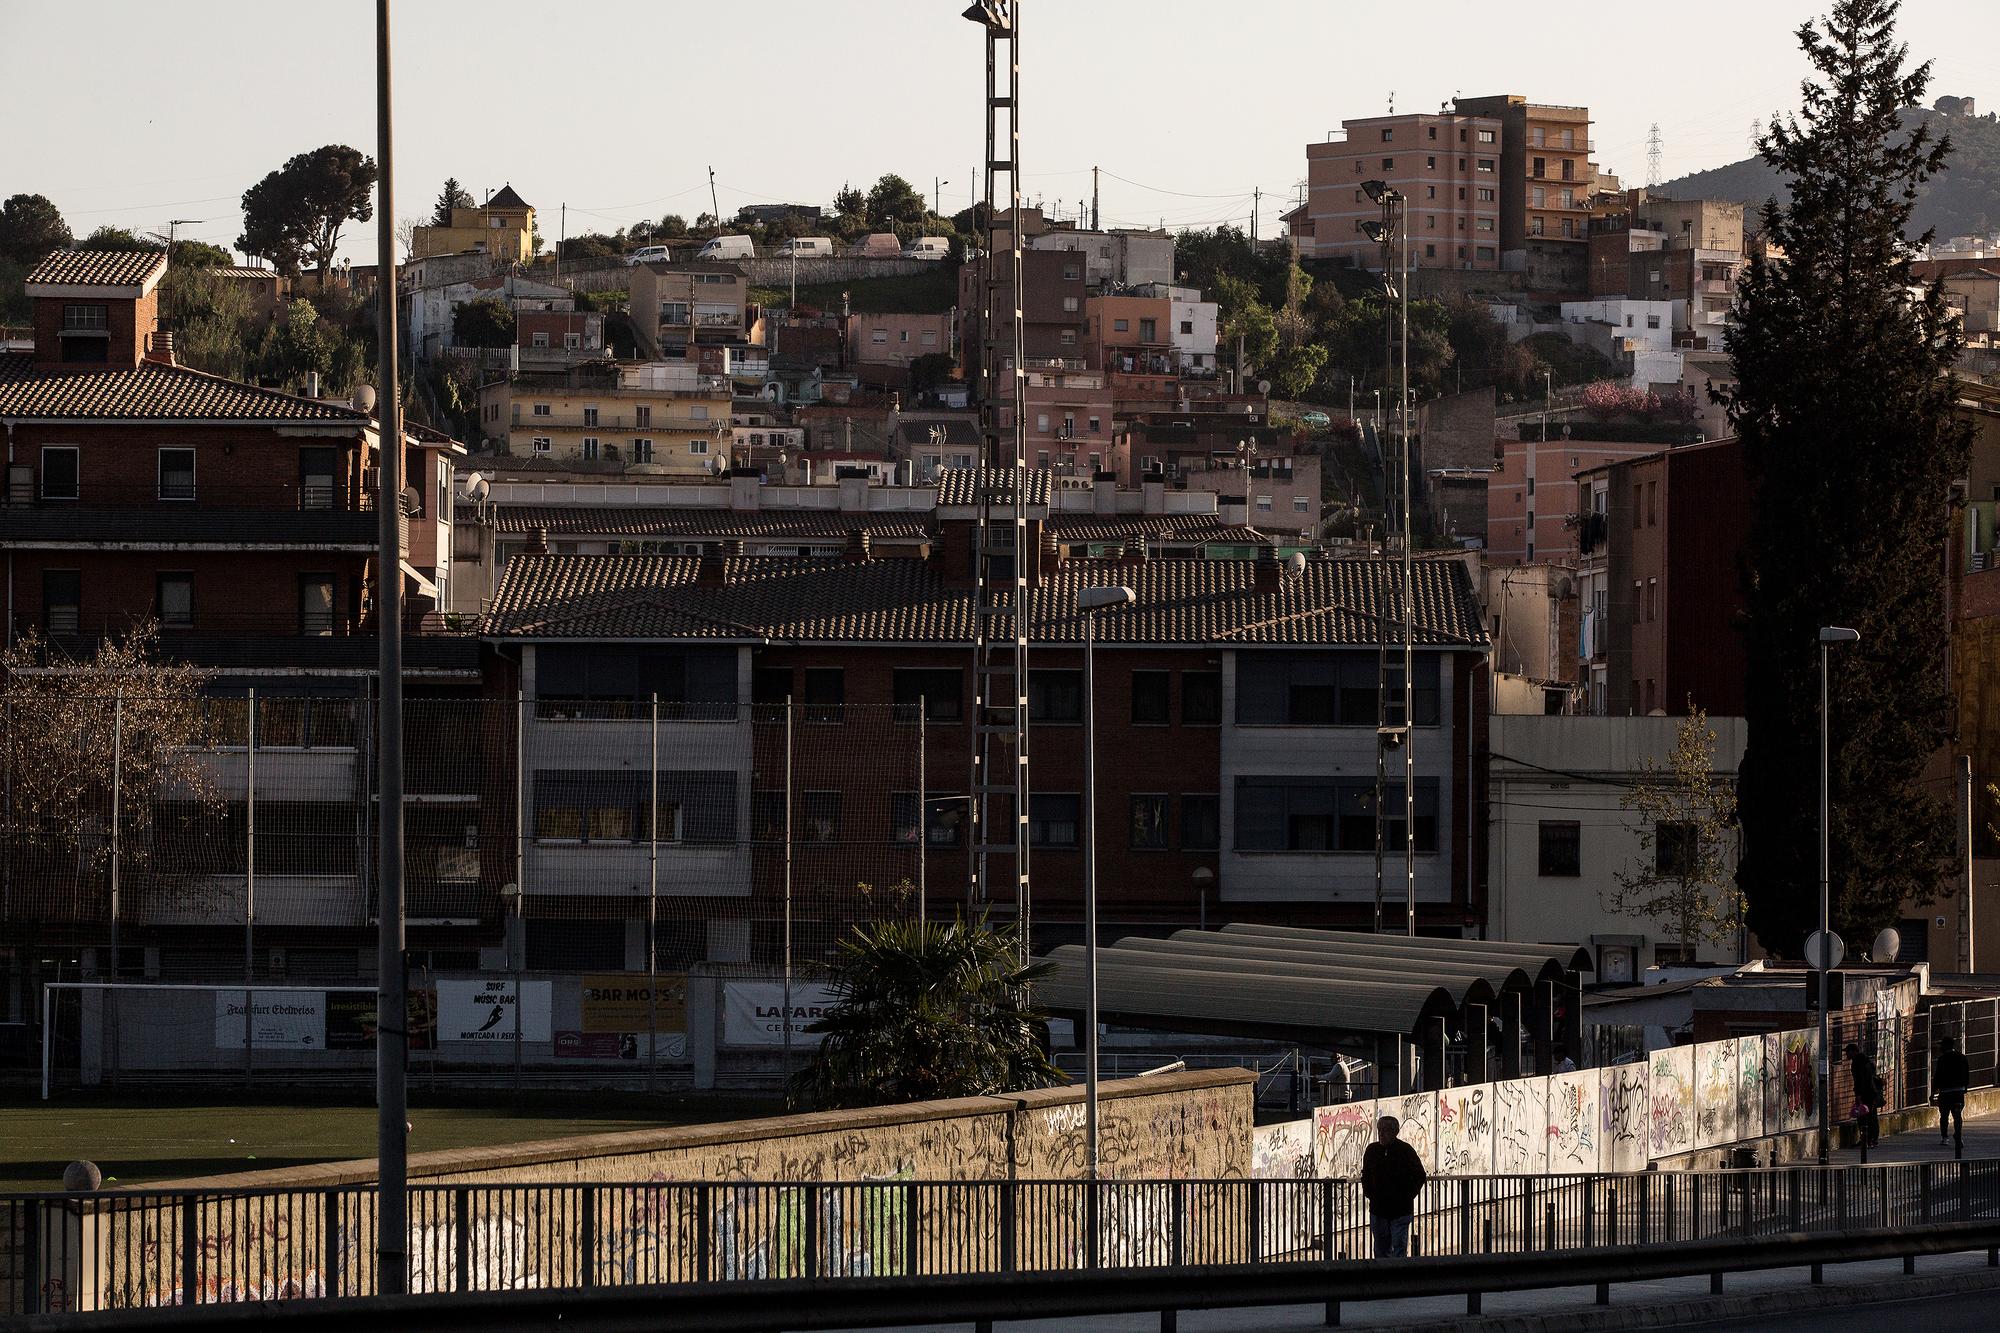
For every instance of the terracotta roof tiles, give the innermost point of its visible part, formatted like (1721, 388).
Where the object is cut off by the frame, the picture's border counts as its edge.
(150, 391)
(100, 268)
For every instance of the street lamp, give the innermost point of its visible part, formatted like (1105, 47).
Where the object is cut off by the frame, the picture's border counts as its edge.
(1090, 601)
(1828, 636)
(991, 15)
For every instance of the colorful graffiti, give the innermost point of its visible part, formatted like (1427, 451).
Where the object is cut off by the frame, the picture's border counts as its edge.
(1623, 1103)
(1341, 1134)
(1800, 1089)
(1419, 1114)
(1282, 1152)
(1715, 1093)
(1670, 1094)
(1464, 1132)
(1749, 1087)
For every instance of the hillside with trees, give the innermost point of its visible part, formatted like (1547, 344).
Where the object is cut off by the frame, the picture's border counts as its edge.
(1962, 201)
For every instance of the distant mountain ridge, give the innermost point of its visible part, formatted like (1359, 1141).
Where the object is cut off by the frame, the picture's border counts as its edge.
(1963, 201)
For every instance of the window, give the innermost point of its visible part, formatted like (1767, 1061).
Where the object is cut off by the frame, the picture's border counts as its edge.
(698, 412)
(1148, 331)
(1187, 326)
(1152, 702)
(1560, 849)
(541, 410)
(1430, 163)
(1486, 136)
(1055, 696)
(1201, 698)
(940, 690)
(1540, 196)
(1264, 503)
(1652, 321)
(538, 340)
(1300, 505)
(572, 341)
(902, 335)
(620, 681)
(590, 449)
(1069, 305)
(1052, 819)
(642, 451)
(600, 805)
(315, 603)
(1388, 136)
(929, 338)
(816, 816)
(643, 415)
(1120, 325)
(1539, 168)
(1538, 136)
(1484, 224)
(1486, 164)
(1071, 272)
(1148, 829)
(944, 828)
(60, 469)
(1430, 252)
(1535, 226)
(541, 444)
(1430, 192)
(86, 319)
(878, 336)
(1041, 423)
(1307, 814)
(174, 601)
(62, 600)
(1201, 822)
(1430, 131)
(1327, 689)
(697, 446)
(1388, 164)
(1069, 337)
(177, 474)
(1652, 503)
(1652, 586)
(1486, 194)
(826, 694)
(1675, 848)
(770, 691)
(1096, 425)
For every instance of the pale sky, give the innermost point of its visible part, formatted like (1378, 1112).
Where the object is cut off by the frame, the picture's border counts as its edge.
(135, 112)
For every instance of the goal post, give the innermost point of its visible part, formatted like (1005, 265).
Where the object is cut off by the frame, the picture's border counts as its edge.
(101, 1033)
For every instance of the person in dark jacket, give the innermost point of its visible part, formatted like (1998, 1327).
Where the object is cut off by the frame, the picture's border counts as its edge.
(1951, 1079)
(1867, 1095)
(1392, 1175)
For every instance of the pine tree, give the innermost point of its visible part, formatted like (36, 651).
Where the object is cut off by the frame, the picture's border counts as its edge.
(452, 196)
(1843, 409)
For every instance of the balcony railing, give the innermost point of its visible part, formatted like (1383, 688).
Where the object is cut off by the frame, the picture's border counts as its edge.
(615, 425)
(712, 320)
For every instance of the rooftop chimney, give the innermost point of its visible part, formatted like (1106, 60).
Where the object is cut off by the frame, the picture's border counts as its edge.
(1269, 574)
(857, 546)
(1104, 494)
(711, 571)
(538, 542)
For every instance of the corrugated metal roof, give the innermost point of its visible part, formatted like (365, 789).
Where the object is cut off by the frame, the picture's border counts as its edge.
(1540, 961)
(1467, 982)
(1348, 602)
(1228, 999)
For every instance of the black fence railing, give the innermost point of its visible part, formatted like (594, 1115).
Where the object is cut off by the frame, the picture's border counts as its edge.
(146, 1248)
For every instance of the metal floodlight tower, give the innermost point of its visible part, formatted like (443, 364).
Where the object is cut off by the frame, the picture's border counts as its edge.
(1000, 547)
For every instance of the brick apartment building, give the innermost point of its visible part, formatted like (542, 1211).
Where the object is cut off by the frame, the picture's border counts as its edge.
(1235, 721)
(1447, 167)
(1661, 582)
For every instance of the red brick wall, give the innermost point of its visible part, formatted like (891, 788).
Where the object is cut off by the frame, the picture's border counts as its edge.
(234, 591)
(132, 325)
(236, 467)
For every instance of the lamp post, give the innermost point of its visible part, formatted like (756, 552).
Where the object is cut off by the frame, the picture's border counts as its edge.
(1090, 601)
(1828, 636)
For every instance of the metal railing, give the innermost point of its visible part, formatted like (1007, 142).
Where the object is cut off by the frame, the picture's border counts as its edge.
(174, 1247)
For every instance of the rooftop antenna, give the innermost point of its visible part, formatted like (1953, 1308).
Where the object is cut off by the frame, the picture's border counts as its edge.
(1655, 154)
(1756, 133)
(1392, 101)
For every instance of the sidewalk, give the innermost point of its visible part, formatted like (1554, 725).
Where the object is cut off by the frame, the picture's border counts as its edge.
(1982, 1139)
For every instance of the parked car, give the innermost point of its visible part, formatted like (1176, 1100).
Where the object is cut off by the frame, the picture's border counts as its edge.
(807, 247)
(649, 254)
(728, 247)
(877, 245)
(928, 247)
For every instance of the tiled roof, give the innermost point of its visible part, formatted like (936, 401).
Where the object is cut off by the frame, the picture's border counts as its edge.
(960, 485)
(507, 198)
(243, 271)
(149, 391)
(693, 521)
(1155, 527)
(1330, 603)
(99, 268)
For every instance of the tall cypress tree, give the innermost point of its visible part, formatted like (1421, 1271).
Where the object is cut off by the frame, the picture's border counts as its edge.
(1843, 406)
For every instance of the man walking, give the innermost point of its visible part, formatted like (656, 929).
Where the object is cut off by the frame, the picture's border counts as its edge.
(1392, 1176)
(1953, 1074)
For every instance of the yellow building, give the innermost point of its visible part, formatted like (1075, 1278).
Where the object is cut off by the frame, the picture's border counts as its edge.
(504, 228)
(666, 415)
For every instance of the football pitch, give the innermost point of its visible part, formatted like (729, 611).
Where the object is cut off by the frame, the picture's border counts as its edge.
(137, 1143)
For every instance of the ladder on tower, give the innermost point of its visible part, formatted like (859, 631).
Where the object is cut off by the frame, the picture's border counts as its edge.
(1002, 560)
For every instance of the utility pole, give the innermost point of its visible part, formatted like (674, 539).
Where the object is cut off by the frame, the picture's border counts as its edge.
(562, 237)
(392, 1148)
(1256, 198)
(1093, 199)
(714, 207)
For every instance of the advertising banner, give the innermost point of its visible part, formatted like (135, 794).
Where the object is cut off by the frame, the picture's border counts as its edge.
(485, 1010)
(279, 1020)
(753, 1012)
(616, 1002)
(350, 1020)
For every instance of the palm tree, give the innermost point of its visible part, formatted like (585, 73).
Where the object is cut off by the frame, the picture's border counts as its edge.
(924, 1011)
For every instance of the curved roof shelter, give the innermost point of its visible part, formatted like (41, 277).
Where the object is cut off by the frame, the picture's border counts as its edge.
(1467, 983)
(1231, 997)
(1542, 962)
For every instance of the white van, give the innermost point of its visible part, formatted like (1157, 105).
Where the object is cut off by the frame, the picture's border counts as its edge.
(807, 247)
(728, 247)
(649, 254)
(928, 247)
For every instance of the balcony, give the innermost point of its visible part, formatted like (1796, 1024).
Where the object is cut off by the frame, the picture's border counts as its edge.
(616, 424)
(280, 639)
(710, 320)
(181, 517)
(1716, 286)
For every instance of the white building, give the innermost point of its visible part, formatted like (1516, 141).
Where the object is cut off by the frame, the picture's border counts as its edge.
(431, 307)
(1115, 260)
(1560, 837)
(1193, 326)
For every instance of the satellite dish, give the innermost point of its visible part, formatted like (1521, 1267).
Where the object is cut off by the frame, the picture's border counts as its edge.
(1297, 560)
(364, 398)
(1263, 386)
(1888, 943)
(476, 487)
